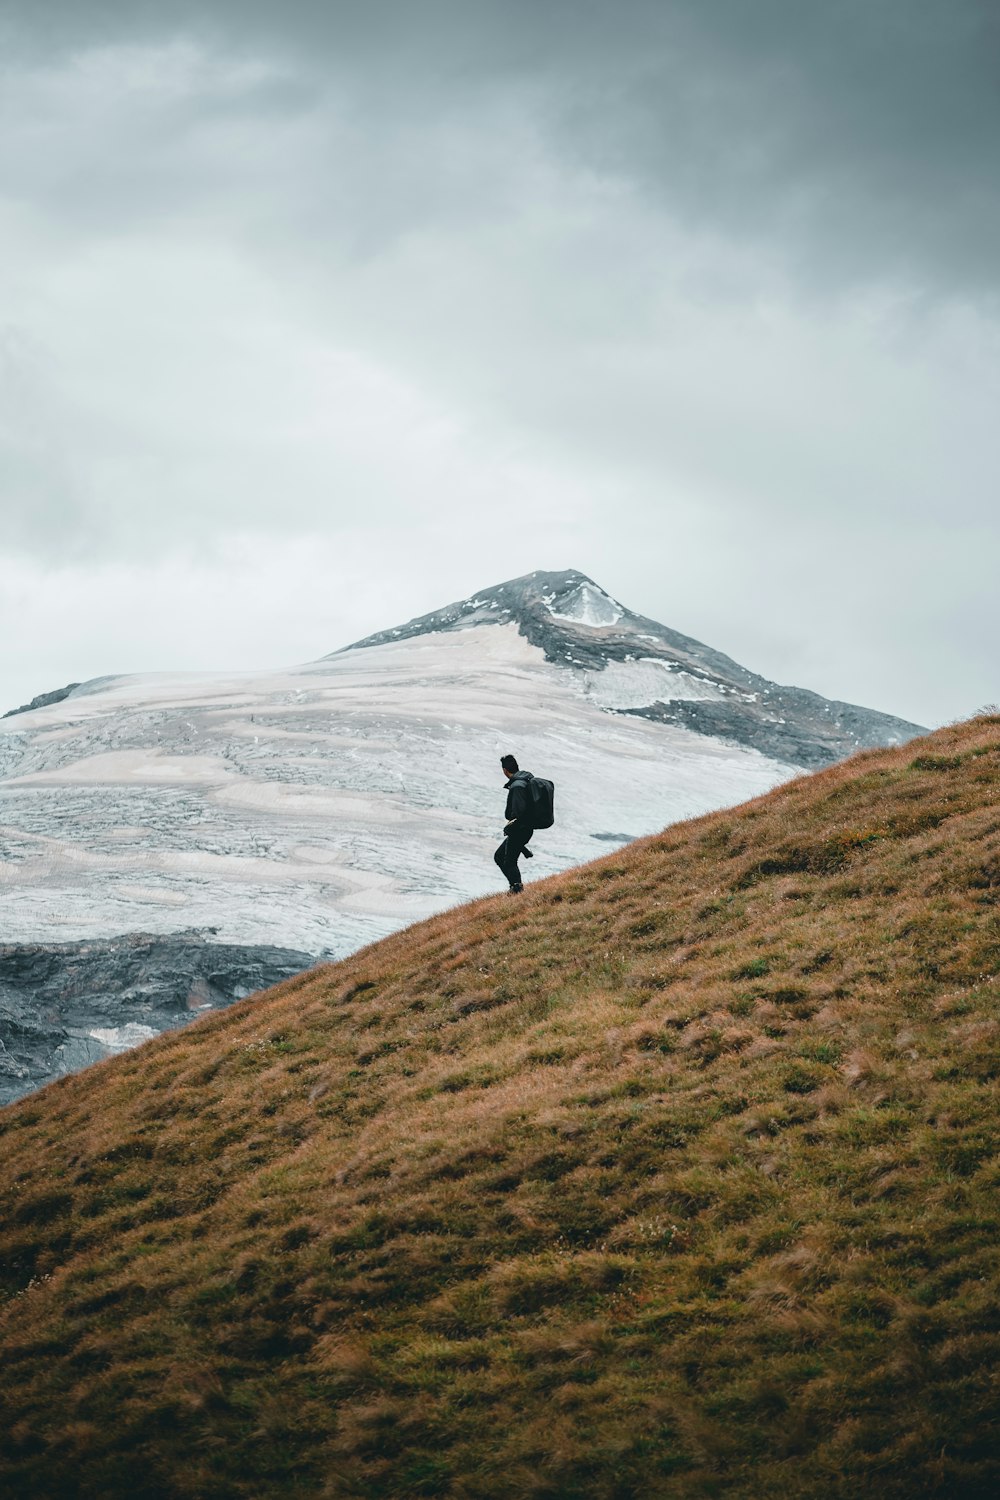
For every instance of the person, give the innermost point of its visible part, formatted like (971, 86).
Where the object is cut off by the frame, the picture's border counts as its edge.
(518, 828)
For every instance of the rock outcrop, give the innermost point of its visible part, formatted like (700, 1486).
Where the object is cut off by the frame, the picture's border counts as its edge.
(42, 700)
(63, 1005)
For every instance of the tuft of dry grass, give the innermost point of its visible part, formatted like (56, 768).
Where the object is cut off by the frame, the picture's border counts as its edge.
(678, 1176)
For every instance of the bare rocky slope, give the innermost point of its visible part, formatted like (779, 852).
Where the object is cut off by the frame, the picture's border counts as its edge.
(65, 1005)
(675, 1177)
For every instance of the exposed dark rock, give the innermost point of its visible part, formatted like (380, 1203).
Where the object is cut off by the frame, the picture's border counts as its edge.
(43, 700)
(790, 724)
(54, 997)
(580, 627)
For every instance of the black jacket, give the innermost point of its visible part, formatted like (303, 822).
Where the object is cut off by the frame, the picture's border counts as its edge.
(519, 797)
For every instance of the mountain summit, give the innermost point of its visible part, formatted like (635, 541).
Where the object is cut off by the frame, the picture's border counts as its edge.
(630, 664)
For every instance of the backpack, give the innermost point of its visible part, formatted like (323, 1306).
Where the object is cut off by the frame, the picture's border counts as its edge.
(542, 800)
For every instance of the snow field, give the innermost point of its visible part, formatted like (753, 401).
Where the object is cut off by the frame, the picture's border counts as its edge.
(326, 805)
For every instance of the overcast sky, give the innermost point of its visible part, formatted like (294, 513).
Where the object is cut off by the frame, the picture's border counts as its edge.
(317, 315)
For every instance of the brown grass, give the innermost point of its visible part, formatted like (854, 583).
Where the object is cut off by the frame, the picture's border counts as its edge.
(675, 1177)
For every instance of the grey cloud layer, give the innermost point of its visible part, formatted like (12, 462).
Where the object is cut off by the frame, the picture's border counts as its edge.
(862, 137)
(707, 287)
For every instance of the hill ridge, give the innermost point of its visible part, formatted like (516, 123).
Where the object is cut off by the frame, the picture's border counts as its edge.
(675, 1177)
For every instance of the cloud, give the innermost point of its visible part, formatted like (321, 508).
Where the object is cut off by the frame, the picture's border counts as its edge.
(859, 141)
(698, 297)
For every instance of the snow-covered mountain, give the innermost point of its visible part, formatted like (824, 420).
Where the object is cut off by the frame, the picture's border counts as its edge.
(627, 663)
(320, 807)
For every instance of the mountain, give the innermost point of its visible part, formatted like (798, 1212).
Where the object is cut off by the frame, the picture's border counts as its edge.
(675, 1177)
(317, 808)
(628, 663)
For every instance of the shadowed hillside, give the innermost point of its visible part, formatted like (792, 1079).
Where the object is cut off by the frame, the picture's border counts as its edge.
(675, 1177)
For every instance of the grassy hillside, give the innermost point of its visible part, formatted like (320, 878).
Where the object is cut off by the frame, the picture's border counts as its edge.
(676, 1177)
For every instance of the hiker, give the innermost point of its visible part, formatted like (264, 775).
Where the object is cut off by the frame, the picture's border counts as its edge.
(519, 826)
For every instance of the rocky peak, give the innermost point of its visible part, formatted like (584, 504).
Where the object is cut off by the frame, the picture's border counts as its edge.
(631, 664)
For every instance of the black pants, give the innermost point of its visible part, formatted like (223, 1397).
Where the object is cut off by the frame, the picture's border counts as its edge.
(509, 852)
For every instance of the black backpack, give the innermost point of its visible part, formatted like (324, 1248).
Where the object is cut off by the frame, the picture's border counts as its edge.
(542, 802)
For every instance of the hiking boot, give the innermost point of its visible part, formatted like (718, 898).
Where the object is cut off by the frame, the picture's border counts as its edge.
(515, 890)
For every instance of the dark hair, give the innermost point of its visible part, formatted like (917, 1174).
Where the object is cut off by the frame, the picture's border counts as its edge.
(509, 764)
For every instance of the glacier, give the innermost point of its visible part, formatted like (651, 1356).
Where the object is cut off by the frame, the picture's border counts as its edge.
(323, 806)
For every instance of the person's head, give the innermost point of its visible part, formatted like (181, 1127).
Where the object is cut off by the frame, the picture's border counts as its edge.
(509, 765)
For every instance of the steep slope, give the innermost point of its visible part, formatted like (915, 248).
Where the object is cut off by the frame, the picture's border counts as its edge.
(676, 1176)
